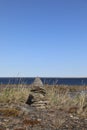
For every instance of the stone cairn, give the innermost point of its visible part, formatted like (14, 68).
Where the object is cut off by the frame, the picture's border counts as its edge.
(37, 95)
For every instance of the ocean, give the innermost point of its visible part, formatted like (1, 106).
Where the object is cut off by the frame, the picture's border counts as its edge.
(45, 80)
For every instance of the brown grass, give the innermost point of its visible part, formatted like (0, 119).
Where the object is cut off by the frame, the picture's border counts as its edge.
(60, 99)
(9, 112)
(14, 94)
(56, 95)
(28, 122)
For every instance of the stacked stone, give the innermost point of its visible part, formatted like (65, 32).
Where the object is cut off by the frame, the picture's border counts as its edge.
(37, 95)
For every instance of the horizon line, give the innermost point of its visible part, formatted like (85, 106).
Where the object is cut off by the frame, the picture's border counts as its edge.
(41, 77)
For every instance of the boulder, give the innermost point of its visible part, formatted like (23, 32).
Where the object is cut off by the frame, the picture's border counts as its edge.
(37, 82)
(37, 95)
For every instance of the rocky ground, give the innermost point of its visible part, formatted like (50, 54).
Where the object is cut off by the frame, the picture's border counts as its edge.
(24, 117)
(42, 108)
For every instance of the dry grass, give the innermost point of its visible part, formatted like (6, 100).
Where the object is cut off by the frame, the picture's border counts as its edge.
(9, 112)
(28, 122)
(58, 122)
(14, 94)
(57, 96)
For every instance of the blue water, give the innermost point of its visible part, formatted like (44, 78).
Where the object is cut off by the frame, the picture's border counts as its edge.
(50, 81)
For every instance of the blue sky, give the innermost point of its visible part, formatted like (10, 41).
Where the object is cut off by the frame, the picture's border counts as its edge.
(46, 38)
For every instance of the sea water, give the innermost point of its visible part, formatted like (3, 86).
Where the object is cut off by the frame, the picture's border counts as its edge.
(45, 80)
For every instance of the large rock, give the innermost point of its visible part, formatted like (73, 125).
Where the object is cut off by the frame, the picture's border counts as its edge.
(37, 82)
(37, 95)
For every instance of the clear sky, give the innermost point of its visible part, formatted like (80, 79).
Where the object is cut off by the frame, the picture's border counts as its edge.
(46, 38)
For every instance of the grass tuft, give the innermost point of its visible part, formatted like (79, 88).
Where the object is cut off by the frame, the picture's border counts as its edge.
(9, 112)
